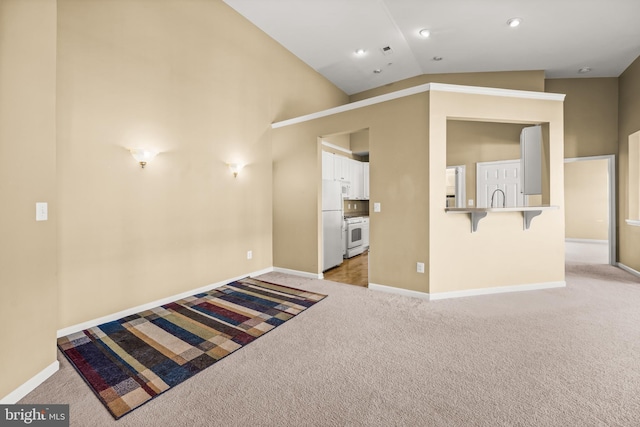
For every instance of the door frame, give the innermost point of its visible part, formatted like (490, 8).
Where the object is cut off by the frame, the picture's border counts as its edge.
(611, 198)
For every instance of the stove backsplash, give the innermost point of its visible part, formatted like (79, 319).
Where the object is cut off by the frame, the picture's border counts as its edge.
(356, 207)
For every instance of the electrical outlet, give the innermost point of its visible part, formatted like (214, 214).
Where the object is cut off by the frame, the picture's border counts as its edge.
(249, 254)
(470, 202)
(420, 267)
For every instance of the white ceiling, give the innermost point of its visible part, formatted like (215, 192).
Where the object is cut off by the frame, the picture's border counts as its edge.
(557, 36)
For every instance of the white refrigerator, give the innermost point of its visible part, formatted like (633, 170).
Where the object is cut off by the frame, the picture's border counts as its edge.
(332, 218)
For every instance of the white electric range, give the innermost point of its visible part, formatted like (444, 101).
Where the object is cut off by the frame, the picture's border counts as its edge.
(357, 235)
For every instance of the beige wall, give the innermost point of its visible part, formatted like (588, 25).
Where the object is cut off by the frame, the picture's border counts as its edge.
(500, 253)
(591, 104)
(629, 123)
(198, 82)
(398, 132)
(408, 154)
(28, 284)
(590, 115)
(360, 141)
(520, 80)
(586, 190)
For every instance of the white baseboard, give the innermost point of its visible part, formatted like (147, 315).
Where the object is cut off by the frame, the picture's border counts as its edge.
(629, 269)
(497, 290)
(26, 388)
(298, 273)
(398, 291)
(467, 293)
(115, 316)
(572, 240)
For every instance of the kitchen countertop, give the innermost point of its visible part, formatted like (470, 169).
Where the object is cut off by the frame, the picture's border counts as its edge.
(498, 209)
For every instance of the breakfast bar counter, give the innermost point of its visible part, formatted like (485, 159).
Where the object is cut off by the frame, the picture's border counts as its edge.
(476, 214)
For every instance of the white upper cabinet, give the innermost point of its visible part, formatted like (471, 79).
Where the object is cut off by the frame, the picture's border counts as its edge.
(357, 188)
(327, 165)
(353, 173)
(341, 168)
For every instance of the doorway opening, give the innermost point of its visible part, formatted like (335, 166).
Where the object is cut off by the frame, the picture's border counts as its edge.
(345, 163)
(590, 211)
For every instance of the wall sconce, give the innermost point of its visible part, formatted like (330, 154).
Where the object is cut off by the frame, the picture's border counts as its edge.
(142, 156)
(235, 168)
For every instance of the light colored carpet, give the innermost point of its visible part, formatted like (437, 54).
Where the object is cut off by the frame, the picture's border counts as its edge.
(558, 357)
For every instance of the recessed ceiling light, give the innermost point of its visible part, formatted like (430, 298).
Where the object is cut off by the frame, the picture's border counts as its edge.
(514, 22)
(360, 52)
(425, 33)
(584, 70)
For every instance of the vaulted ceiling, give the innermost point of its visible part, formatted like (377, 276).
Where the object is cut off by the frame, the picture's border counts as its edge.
(560, 37)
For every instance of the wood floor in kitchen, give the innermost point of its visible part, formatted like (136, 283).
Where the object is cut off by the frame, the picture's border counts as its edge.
(353, 271)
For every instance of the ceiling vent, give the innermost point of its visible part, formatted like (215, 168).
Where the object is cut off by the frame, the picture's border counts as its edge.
(387, 50)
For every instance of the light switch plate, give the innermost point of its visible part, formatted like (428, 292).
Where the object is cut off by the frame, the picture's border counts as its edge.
(376, 207)
(42, 211)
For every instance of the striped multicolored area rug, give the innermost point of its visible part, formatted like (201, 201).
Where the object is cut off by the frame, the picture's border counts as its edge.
(130, 361)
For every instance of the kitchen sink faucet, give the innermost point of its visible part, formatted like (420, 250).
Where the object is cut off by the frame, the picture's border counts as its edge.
(504, 197)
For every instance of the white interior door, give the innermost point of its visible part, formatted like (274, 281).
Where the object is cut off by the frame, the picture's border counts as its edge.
(499, 181)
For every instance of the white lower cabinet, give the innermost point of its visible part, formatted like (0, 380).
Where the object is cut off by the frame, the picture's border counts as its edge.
(365, 232)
